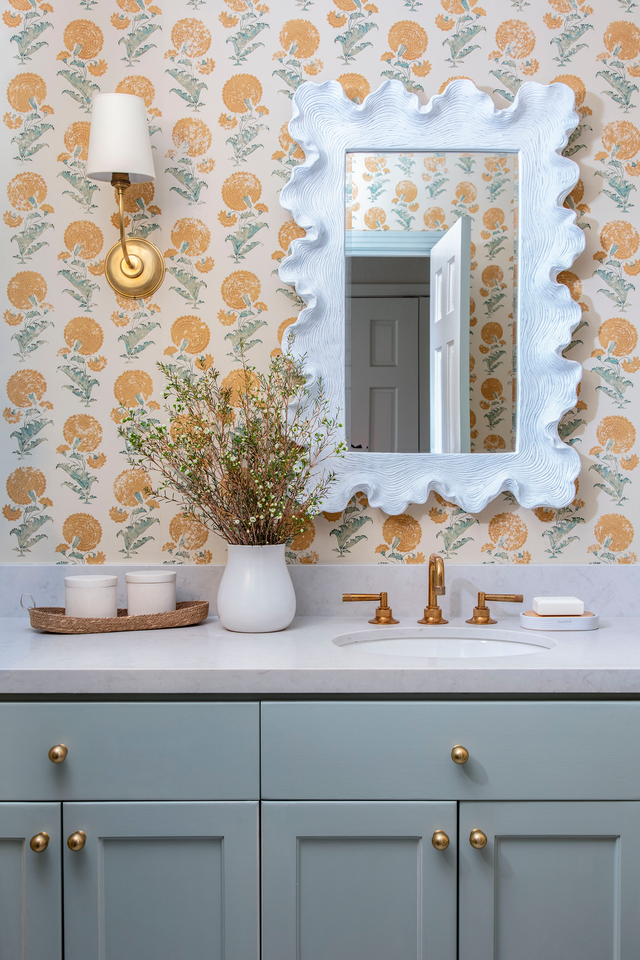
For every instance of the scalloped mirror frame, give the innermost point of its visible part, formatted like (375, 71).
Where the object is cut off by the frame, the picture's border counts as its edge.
(327, 125)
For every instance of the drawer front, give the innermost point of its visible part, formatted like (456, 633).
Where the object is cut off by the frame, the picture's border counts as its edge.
(130, 751)
(402, 751)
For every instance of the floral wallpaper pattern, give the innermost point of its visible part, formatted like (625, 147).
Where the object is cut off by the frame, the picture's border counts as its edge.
(217, 79)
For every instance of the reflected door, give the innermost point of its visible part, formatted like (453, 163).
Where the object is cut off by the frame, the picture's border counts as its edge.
(449, 340)
(556, 881)
(384, 374)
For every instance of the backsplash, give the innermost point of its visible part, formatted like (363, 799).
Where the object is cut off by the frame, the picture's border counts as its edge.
(217, 79)
(609, 591)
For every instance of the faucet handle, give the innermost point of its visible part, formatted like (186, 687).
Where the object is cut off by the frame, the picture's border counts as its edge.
(384, 613)
(482, 614)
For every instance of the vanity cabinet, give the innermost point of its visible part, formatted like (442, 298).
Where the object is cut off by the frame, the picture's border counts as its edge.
(131, 751)
(555, 881)
(358, 880)
(30, 883)
(559, 881)
(553, 787)
(158, 881)
(164, 803)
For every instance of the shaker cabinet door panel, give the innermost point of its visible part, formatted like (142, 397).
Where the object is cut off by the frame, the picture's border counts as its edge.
(559, 881)
(358, 880)
(30, 883)
(160, 881)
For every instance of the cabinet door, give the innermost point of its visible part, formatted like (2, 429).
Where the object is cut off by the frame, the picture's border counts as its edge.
(30, 883)
(358, 880)
(559, 881)
(161, 881)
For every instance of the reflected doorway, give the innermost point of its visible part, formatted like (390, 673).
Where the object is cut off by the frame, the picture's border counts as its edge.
(387, 354)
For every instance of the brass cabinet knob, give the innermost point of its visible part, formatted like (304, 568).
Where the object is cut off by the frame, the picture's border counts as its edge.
(459, 754)
(478, 839)
(77, 840)
(58, 753)
(40, 842)
(440, 840)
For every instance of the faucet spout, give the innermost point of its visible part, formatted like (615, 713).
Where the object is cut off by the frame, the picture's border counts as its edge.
(433, 613)
(436, 578)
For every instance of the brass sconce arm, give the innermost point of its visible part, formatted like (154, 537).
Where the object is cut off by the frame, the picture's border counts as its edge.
(121, 181)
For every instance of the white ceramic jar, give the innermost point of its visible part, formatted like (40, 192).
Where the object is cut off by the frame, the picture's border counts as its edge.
(91, 596)
(151, 591)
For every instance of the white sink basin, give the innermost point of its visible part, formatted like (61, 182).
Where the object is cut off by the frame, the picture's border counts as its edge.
(447, 643)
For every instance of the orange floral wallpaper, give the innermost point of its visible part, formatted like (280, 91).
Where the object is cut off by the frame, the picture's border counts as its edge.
(217, 79)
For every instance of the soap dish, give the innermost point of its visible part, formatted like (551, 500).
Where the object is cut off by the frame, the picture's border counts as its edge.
(533, 621)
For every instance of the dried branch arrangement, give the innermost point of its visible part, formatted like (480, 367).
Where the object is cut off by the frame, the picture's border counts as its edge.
(245, 461)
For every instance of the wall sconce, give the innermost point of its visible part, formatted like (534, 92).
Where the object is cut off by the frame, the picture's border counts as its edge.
(120, 151)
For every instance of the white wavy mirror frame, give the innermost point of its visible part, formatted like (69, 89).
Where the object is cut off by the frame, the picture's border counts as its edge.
(327, 125)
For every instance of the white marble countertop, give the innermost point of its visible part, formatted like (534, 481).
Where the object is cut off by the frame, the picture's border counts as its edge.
(207, 659)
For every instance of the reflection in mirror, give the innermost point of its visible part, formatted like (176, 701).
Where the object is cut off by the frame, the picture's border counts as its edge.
(431, 302)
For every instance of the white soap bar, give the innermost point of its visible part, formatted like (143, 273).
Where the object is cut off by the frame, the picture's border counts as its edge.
(558, 606)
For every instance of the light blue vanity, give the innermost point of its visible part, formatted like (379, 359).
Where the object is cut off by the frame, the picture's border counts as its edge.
(236, 796)
(168, 797)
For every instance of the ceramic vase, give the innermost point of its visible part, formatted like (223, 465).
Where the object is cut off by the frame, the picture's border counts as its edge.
(256, 594)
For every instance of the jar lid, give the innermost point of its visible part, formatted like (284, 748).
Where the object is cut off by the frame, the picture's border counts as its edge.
(152, 576)
(88, 581)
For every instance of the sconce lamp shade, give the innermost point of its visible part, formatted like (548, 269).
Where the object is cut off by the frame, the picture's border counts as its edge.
(119, 140)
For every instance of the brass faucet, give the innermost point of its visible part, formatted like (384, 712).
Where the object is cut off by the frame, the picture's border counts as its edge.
(433, 613)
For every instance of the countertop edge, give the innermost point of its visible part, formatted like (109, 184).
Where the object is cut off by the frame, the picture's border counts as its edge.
(321, 682)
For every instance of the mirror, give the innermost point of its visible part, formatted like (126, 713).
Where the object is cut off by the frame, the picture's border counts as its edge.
(431, 301)
(459, 204)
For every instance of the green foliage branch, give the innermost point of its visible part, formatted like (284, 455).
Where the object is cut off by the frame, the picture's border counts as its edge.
(251, 472)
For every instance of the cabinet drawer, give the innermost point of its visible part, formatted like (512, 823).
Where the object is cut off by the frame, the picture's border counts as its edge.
(130, 751)
(518, 751)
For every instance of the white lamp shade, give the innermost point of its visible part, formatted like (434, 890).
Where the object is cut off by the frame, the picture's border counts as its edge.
(119, 140)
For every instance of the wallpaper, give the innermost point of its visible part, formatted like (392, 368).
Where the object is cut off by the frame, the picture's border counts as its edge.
(217, 77)
(430, 191)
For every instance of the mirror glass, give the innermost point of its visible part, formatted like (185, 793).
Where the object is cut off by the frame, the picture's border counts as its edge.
(431, 301)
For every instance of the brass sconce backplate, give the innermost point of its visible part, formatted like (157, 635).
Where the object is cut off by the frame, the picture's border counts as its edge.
(148, 272)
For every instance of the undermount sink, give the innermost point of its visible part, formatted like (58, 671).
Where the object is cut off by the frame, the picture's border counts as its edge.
(445, 643)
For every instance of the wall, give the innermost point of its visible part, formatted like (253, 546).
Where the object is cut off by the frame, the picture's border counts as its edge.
(218, 79)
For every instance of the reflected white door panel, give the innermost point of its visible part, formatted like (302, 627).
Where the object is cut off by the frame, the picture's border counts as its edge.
(449, 340)
(384, 374)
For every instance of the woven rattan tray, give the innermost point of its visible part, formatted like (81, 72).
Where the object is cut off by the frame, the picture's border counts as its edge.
(53, 620)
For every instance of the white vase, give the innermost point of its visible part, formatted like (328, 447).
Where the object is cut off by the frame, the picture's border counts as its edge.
(256, 594)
